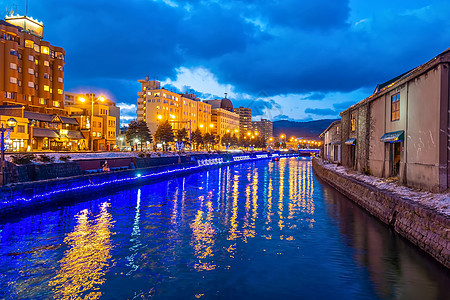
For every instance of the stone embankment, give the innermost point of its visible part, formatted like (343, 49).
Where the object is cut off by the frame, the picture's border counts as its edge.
(51, 184)
(424, 225)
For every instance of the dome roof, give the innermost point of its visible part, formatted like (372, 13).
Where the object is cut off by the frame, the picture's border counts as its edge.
(226, 104)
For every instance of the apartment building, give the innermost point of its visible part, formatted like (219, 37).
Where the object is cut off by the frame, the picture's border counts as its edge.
(31, 69)
(264, 127)
(102, 129)
(245, 119)
(401, 130)
(156, 104)
(332, 142)
(224, 121)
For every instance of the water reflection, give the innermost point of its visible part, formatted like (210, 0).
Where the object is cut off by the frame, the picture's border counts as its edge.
(84, 265)
(256, 230)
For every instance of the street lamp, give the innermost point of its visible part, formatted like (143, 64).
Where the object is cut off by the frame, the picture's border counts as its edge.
(11, 124)
(83, 100)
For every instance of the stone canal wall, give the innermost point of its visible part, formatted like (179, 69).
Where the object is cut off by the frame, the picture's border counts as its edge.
(423, 226)
(22, 196)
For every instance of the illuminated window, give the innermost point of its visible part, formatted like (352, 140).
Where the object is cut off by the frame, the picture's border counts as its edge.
(46, 88)
(45, 50)
(36, 61)
(46, 63)
(13, 66)
(29, 44)
(56, 103)
(337, 129)
(60, 68)
(30, 57)
(13, 79)
(60, 91)
(353, 121)
(46, 76)
(42, 101)
(395, 107)
(31, 84)
(36, 48)
(94, 134)
(60, 79)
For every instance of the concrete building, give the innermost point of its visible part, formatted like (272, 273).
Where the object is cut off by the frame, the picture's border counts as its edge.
(245, 119)
(402, 130)
(264, 128)
(103, 131)
(156, 104)
(224, 121)
(31, 69)
(332, 142)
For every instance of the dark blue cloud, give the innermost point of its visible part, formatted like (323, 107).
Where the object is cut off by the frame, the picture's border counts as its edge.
(279, 47)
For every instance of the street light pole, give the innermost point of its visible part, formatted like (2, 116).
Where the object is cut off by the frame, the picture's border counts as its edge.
(91, 137)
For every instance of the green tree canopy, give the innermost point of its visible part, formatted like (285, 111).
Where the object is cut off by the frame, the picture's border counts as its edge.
(209, 139)
(164, 134)
(182, 135)
(138, 133)
(197, 138)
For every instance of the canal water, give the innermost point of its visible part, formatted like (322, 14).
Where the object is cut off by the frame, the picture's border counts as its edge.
(260, 230)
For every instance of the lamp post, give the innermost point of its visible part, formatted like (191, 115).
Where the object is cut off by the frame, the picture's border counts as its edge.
(11, 124)
(82, 100)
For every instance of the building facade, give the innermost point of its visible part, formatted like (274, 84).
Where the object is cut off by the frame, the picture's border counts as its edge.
(245, 119)
(102, 129)
(156, 105)
(402, 129)
(31, 69)
(332, 142)
(224, 121)
(264, 128)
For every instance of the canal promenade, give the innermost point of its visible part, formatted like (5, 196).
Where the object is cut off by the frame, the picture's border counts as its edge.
(28, 195)
(421, 217)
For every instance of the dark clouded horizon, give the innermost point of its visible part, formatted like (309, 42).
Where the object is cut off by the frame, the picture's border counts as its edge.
(296, 59)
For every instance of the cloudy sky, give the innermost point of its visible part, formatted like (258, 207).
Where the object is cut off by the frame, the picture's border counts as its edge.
(286, 59)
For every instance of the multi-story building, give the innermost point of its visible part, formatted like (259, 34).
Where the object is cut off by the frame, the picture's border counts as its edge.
(245, 119)
(264, 128)
(102, 129)
(401, 130)
(156, 104)
(224, 121)
(332, 142)
(31, 69)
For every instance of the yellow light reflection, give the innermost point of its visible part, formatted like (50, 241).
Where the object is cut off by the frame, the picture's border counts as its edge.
(83, 267)
(204, 239)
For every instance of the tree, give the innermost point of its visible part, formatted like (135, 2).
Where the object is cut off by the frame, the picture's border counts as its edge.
(181, 135)
(197, 138)
(235, 140)
(227, 140)
(277, 145)
(138, 133)
(209, 139)
(164, 134)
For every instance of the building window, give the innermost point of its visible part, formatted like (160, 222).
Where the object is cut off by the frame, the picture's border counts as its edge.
(36, 61)
(395, 107)
(353, 120)
(42, 101)
(9, 95)
(56, 103)
(46, 63)
(13, 79)
(46, 88)
(60, 79)
(36, 48)
(46, 76)
(21, 129)
(13, 66)
(60, 68)
(13, 52)
(30, 57)
(29, 44)
(31, 84)
(337, 129)
(45, 50)
(60, 91)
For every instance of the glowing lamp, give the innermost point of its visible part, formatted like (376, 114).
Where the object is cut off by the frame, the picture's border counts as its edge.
(11, 122)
